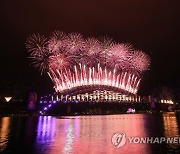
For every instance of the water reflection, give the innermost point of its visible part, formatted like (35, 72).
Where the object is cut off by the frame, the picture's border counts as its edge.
(46, 129)
(4, 132)
(69, 139)
(85, 134)
(89, 134)
(170, 125)
(171, 128)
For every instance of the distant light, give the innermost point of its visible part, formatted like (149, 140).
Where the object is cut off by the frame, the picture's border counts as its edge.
(131, 110)
(171, 102)
(167, 101)
(8, 99)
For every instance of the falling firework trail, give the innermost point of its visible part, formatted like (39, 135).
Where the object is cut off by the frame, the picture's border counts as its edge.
(72, 61)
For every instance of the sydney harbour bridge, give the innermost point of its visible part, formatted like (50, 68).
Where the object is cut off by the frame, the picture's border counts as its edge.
(98, 101)
(90, 74)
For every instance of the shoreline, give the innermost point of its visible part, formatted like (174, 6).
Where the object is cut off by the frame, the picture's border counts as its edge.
(74, 115)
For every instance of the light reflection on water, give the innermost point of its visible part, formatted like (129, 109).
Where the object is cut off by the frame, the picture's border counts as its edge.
(4, 132)
(85, 134)
(170, 125)
(46, 129)
(171, 128)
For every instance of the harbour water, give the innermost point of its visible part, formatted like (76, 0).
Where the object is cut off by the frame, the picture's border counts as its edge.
(87, 134)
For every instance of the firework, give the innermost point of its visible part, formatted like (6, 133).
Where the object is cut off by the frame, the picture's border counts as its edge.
(140, 61)
(93, 50)
(36, 44)
(72, 61)
(58, 62)
(74, 43)
(119, 56)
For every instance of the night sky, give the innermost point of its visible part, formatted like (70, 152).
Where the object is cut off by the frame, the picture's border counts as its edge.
(150, 25)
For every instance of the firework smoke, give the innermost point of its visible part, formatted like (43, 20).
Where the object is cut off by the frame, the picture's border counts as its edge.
(72, 61)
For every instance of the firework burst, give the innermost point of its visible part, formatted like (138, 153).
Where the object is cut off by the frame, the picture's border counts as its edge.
(119, 56)
(72, 61)
(140, 61)
(36, 44)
